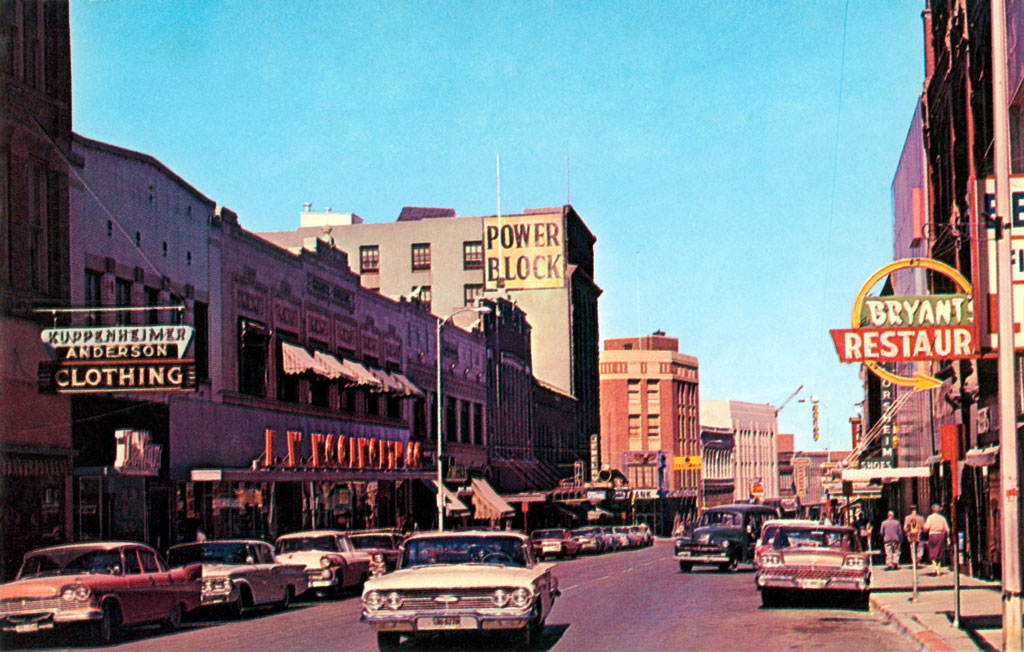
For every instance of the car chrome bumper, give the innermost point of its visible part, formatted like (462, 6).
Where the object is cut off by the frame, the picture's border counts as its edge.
(859, 584)
(702, 558)
(410, 622)
(32, 621)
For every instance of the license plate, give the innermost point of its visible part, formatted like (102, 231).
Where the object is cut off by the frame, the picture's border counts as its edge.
(446, 622)
(684, 553)
(26, 627)
(811, 584)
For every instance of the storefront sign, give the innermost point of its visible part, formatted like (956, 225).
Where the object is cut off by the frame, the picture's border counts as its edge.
(895, 329)
(136, 454)
(119, 342)
(686, 463)
(80, 377)
(525, 252)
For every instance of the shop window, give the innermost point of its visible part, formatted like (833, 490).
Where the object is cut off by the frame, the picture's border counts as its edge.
(320, 392)
(369, 259)
(394, 406)
(421, 257)
(252, 358)
(348, 399)
(473, 254)
(372, 403)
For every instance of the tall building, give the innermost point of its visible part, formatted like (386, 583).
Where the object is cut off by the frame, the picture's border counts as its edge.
(650, 414)
(541, 259)
(754, 428)
(35, 138)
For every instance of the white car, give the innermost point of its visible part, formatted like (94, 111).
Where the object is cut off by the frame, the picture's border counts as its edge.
(240, 574)
(461, 581)
(332, 562)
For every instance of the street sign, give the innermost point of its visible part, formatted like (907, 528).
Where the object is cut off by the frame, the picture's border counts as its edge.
(756, 490)
(686, 463)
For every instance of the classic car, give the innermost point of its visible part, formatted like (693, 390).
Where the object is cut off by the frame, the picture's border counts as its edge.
(724, 536)
(633, 538)
(554, 542)
(617, 540)
(381, 545)
(645, 531)
(768, 531)
(461, 581)
(241, 574)
(814, 558)
(104, 585)
(332, 562)
(590, 539)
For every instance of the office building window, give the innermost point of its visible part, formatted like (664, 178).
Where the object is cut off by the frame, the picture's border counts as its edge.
(153, 299)
(633, 394)
(473, 254)
(425, 297)
(634, 426)
(470, 293)
(252, 358)
(450, 424)
(287, 384)
(464, 423)
(421, 257)
(653, 396)
(478, 424)
(653, 425)
(369, 259)
(93, 295)
(123, 298)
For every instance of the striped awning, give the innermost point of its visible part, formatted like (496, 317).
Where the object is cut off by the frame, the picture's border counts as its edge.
(487, 504)
(362, 373)
(387, 382)
(296, 360)
(452, 505)
(25, 467)
(408, 387)
(330, 367)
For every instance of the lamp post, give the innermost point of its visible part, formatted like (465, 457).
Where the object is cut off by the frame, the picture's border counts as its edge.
(440, 408)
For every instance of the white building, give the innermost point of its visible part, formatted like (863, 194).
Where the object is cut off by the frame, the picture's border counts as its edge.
(754, 427)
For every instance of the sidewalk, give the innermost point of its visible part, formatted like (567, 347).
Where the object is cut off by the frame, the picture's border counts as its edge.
(929, 620)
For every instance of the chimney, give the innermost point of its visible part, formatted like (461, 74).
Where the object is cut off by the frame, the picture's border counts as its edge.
(306, 206)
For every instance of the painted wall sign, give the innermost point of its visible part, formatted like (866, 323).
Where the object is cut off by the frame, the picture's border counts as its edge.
(904, 329)
(524, 252)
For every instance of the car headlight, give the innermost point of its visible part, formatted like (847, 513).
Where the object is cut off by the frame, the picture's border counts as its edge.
(501, 597)
(378, 557)
(521, 597)
(373, 600)
(325, 562)
(856, 563)
(394, 600)
(75, 592)
(771, 560)
(725, 544)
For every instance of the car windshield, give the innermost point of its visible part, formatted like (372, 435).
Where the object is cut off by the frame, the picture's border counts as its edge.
(499, 550)
(728, 519)
(548, 534)
(769, 533)
(71, 562)
(364, 541)
(620, 530)
(804, 538)
(306, 544)
(207, 553)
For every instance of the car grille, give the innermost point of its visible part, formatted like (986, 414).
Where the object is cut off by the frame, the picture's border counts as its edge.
(820, 573)
(29, 605)
(424, 601)
(702, 550)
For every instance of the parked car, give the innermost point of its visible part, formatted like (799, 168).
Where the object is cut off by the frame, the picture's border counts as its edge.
(618, 539)
(814, 559)
(461, 582)
(633, 538)
(645, 530)
(332, 562)
(642, 534)
(590, 539)
(105, 585)
(554, 542)
(724, 536)
(239, 574)
(768, 531)
(382, 544)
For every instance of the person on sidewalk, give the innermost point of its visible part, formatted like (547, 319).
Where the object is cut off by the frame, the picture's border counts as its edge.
(937, 529)
(892, 537)
(913, 526)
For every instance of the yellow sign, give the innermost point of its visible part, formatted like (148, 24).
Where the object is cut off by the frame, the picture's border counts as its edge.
(686, 463)
(524, 252)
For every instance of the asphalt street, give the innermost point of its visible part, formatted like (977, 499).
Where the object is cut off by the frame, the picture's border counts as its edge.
(623, 601)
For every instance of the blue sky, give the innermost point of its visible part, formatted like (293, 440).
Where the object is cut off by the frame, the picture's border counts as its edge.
(702, 139)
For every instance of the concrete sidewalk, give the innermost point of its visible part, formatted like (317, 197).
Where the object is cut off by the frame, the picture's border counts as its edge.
(929, 620)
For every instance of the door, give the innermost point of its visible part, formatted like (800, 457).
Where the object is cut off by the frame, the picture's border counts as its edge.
(162, 589)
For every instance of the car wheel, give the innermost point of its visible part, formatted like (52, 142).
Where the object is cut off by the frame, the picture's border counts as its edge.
(105, 631)
(730, 566)
(233, 610)
(173, 622)
(388, 641)
(529, 636)
(286, 600)
(685, 566)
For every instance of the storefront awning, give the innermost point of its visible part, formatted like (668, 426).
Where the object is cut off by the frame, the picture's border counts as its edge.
(452, 505)
(487, 504)
(982, 456)
(362, 373)
(330, 367)
(408, 388)
(388, 382)
(296, 360)
(853, 475)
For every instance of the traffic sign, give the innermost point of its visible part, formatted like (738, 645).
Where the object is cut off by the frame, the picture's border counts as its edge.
(756, 490)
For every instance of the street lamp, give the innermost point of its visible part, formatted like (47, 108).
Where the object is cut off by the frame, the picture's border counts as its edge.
(440, 408)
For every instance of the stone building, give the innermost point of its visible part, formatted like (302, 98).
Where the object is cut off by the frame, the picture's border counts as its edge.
(754, 428)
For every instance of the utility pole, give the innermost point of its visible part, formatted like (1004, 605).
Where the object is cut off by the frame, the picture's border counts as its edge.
(1009, 485)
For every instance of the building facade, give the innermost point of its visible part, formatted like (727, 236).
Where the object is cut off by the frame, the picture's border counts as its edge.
(649, 413)
(756, 457)
(542, 260)
(35, 139)
(717, 450)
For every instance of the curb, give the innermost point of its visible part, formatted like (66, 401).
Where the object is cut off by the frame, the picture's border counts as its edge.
(925, 639)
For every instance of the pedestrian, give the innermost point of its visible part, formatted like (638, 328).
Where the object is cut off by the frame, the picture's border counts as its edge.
(937, 529)
(892, 537)
(913, 526)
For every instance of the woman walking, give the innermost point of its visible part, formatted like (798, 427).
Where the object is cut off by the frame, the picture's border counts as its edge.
(937, 529)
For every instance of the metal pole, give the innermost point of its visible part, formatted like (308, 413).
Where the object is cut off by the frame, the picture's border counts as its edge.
(1010, 481)
(440, 476)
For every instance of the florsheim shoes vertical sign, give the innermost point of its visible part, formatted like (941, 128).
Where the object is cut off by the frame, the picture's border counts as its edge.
(118, 359)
